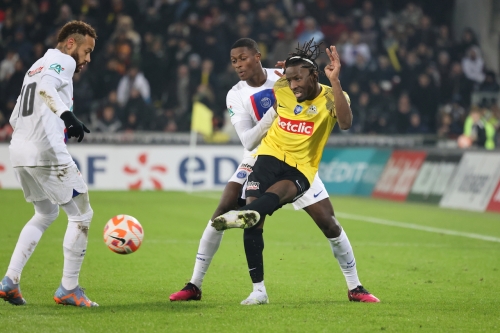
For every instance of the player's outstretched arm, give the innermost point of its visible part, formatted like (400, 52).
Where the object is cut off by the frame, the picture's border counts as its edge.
(332, 71)
(251, 136)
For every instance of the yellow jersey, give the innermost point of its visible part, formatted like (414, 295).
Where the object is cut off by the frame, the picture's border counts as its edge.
(300, 132)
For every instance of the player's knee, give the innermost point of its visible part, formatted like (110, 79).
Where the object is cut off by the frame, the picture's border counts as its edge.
(43, 221)
(329, 226)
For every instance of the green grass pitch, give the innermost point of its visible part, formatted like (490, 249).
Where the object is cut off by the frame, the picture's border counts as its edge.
(427, 281)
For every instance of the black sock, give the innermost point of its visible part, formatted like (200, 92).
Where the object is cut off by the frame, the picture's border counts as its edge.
(267, 204)
(254, 246)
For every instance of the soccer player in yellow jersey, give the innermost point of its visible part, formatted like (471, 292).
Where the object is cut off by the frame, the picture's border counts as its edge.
(288, 157)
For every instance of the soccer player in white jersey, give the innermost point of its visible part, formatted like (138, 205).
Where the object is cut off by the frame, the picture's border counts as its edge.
(43, 120)
(249, 104)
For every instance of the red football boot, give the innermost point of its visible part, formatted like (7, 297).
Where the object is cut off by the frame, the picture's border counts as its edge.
(360, 294)
(189, 293)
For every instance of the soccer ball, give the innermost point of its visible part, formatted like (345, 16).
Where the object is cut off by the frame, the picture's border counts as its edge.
(123, 234)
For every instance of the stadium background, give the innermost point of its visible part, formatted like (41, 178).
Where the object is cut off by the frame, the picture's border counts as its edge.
(420, 74)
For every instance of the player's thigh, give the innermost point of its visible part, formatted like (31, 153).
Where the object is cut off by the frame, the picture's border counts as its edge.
(32, 190)
(265, 173)
(316, 193)
(59, 183)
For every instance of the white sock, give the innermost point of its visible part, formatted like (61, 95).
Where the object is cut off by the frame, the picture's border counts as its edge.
(28, 240)
(259, 286)
(30, 236)
(76, 238)
(75, 246)
(342, 250)
(209, 244)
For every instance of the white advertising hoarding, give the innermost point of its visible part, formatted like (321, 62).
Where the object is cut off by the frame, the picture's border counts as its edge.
(474, 182)
(117, 167)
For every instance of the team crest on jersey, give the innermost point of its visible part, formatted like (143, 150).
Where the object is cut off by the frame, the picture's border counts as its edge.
(35, 71)
(230, 110)
(297, 110)
(56, 68)
(266, 102)
(312, 110)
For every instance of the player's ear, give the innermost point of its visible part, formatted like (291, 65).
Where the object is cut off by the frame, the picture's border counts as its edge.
(258, 56)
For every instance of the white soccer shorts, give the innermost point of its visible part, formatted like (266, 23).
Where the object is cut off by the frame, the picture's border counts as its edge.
(316, 192)
(55, 183)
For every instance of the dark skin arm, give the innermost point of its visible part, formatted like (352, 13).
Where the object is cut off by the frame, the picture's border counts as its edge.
(344, 113)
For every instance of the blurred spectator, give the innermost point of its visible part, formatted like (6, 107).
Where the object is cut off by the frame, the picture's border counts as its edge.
(108, 122)
(137, 106)
(355, 47)
(8, 65)
(369, 33)
(310, 31)
(473, 64)
(480, 131)
(425, 98)
(467, 41)
(332, 28)
(15, 82)
(490, 83)
(133, 80)
(404, 113)
(282, 48)
(416, 126)
(5, 128)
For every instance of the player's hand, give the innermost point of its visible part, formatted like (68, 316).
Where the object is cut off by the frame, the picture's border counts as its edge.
(74, 126)
(332, 70)
(280, 64)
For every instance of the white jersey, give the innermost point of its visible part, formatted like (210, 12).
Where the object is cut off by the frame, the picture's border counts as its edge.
(39, 137)
(251, 103)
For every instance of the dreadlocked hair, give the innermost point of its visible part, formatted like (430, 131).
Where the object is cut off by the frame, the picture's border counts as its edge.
(305, 55)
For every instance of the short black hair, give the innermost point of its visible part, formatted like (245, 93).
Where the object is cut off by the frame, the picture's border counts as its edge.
(246, 42)
(75, 27)
(305, 55)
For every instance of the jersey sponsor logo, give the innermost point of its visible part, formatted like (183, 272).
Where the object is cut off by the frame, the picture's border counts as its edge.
(296, 126)
(56, 68)
(297, 110)
(253, 185)
(281, 106)
(230, 110)
(241, 174)
(35, 71)
(262, 101)
(312, 110)
(246, 167)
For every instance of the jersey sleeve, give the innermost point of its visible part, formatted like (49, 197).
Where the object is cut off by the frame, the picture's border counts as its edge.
(330, 101)
(235, 108)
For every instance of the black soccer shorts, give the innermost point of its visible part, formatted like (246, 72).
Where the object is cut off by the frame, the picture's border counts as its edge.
(269, 170)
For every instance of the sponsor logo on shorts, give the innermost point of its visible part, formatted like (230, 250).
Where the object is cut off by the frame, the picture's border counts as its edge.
(316, 194)
(253, 185)
(35, 71)
(246, 167)
(296, 126)
(241, 174)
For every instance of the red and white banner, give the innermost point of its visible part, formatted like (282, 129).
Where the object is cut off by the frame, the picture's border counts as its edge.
(399, 174)
(494, 205)
(475, 181)
(127, 167)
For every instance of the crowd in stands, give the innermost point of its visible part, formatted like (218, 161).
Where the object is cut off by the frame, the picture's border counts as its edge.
(402, 68)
